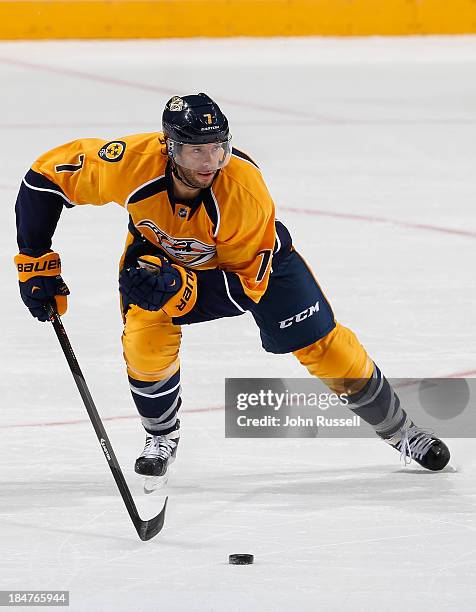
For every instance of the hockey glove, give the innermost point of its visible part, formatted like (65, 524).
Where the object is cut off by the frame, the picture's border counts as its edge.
(40, 282)
(157, 285)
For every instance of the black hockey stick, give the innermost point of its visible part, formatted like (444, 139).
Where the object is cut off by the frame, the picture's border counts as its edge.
(145, 529)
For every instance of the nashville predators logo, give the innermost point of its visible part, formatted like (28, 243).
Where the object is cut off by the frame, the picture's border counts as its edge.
(112, 151)
(188, 251)
(176, 104)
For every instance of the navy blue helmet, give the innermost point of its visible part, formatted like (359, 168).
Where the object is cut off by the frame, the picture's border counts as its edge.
(194, 119)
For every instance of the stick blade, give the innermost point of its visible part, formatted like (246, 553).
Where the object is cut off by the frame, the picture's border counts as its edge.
(148, 529)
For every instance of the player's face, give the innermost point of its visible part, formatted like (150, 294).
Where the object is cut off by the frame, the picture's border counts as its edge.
(199, 163)
(204, 158)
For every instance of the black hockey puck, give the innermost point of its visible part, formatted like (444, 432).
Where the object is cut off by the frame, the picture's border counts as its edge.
(240, 559)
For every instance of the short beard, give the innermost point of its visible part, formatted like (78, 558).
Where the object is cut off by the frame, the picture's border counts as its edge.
(187, 174)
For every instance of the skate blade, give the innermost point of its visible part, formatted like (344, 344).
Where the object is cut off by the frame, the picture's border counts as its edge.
(155, 483)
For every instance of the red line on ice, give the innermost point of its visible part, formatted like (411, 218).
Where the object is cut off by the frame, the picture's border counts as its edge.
(462, 374)
(112, 418)
(290, 112)
(374, 219)
(156, 88)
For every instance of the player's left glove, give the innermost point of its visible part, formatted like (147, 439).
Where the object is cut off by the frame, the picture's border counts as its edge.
(158, 285)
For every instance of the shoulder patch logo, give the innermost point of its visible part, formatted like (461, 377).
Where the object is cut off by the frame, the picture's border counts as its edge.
(112, 151)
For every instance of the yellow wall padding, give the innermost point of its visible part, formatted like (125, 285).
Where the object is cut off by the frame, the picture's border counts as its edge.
(27, 19)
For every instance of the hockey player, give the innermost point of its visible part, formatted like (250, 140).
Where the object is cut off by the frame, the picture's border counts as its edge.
(202, 243)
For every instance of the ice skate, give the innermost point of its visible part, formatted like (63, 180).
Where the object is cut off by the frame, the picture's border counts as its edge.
(153, 463)
(421, 446)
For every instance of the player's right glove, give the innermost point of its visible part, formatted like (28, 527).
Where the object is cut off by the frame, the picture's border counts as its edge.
(40, 282)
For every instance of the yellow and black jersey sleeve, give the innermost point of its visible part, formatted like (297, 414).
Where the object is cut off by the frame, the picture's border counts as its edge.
(93, 171)
(85, 171)
(76, 170)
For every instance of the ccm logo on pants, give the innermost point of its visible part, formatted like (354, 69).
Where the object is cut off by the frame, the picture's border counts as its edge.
(300, 316)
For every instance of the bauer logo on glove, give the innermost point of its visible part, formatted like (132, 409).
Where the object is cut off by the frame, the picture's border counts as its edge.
(40, 266)
(41, 282)
(158, 285)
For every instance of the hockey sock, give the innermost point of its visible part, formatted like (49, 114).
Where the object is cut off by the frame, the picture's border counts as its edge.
(379, 405)
(157, 403)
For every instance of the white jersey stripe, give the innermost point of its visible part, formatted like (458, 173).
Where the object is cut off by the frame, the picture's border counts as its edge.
(229, 295)
(215, 233)
(49, 190)
(157, 178)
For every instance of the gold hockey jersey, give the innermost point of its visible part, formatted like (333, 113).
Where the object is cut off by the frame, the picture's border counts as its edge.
(230, 226)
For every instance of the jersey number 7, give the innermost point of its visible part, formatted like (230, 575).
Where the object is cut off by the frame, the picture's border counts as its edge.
(71, 167)
(265, 259)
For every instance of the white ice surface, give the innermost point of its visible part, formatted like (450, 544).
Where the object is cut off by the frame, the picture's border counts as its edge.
(384, 129)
